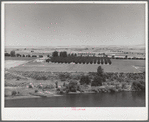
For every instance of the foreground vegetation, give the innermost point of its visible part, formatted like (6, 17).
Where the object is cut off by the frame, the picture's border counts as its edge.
(39, 83)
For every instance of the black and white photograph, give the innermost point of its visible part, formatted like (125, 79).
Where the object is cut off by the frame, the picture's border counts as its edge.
(74, 60)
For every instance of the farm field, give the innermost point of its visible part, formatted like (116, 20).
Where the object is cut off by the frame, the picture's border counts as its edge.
(20, 58)
(13, 63)
(125, 66)
(16, 61)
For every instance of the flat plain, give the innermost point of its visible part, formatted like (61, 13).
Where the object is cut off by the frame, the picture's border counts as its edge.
(126, 66)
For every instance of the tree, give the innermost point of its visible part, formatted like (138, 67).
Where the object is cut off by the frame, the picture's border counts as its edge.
(40, 56)
(73, 86)
(12, 53)
(55, 54)
(84, 80)
(72, 54)
(105, 61)
(101, 60)
(34, 56)
(99, 78)
(95, 61)
(100, 71)
(109, 61)
(113, 57)
(63, 54)
(126, 57)
(18, 55)
(56, 84)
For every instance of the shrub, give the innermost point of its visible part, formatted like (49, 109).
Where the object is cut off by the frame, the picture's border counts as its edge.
(38, 77)
(63, 77)
(48, 86)
(48, 60)
(36, 91)
(34, 56)
(97, 81)
(30, 86)
(73, 86)
(84, 80)
(40, 56)
(138, 86)
(13, 93)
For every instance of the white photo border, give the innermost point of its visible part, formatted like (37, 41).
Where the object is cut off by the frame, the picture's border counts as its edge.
(90, 113)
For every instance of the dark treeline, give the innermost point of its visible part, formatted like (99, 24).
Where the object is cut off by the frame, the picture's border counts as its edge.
(81, 60)
(62, 57)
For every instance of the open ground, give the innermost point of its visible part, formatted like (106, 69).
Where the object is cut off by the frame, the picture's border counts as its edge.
(125, 66)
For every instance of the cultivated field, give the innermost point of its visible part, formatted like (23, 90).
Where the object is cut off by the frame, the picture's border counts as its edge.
(125, 66)
(20, 58)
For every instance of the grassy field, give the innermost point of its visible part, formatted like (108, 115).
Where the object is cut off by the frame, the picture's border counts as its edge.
(126, 66)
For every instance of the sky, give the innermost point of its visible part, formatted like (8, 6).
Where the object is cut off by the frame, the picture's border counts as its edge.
(36, 24)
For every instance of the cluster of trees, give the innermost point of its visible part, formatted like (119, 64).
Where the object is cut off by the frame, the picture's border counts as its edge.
(64, 58)
(99, 78)
(74, 86)
(81, 60)
(138, 86)
(13, 54)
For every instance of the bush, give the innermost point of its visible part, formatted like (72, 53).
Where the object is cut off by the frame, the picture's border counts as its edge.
(40, 77)
(34, 56)
(73, 86)
(13, 93)
(97, 81)
(63, 77)
(30, 86)
(84, 80)
(36, 91)
(40, 56)
(48, 60)
(138, 86)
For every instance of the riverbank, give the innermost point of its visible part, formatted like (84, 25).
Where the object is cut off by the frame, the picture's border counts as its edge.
(27, 85)
(117, 99)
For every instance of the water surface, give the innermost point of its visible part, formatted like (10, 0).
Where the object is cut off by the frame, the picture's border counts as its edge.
(120, 99)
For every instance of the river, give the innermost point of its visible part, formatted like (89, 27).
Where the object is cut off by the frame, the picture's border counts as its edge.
(119, 99)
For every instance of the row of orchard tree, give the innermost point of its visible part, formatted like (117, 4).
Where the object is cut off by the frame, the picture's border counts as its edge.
(62, 57)
(82, 60)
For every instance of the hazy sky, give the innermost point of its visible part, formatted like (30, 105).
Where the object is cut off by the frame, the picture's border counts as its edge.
(74, 24)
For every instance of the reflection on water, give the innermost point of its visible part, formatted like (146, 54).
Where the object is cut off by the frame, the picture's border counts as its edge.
(121, 99)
